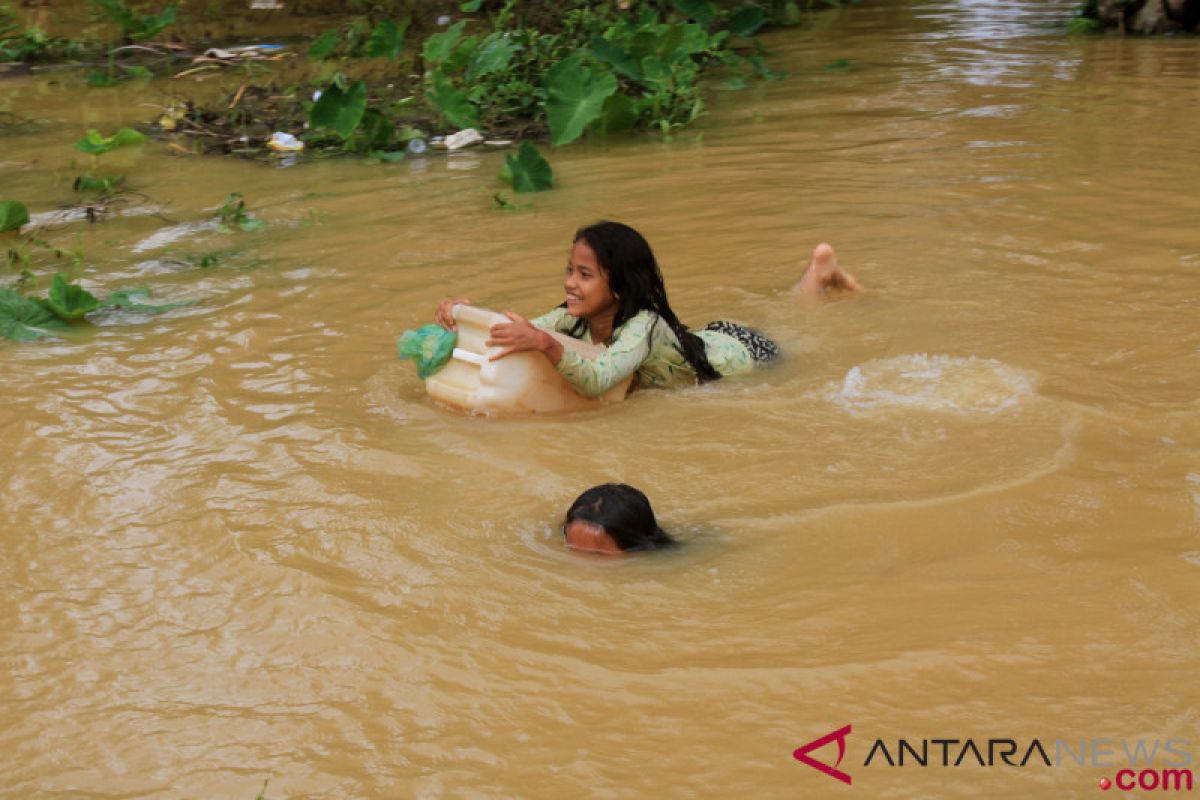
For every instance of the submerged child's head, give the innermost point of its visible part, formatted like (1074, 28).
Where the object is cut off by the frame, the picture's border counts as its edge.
(612, 518)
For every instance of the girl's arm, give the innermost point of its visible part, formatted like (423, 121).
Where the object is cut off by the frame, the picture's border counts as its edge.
(520, 335)
(590, 376)
(594, 376)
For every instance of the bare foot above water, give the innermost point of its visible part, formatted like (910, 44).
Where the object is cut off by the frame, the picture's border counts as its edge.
(823, 273)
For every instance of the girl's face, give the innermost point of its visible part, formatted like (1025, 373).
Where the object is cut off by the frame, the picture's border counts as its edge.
(589, 537)
(588, 293)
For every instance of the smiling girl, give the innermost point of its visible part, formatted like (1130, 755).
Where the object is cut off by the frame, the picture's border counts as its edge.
(615, 297)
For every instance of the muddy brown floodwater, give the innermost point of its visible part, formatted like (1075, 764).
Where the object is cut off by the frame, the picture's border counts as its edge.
(238, 542)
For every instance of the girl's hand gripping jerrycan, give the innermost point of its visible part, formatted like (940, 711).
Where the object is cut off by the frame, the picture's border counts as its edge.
(519, 383)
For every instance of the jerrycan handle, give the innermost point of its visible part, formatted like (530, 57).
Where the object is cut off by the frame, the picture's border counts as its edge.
(467, 355)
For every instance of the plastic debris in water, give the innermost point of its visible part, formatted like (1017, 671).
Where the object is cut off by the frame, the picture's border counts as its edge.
(415, 147)
(429, 346)
(284, 143)
(464, 138)
(241, 52)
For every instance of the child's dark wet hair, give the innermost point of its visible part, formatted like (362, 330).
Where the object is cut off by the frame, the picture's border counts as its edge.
(637, 282)
(624, 513)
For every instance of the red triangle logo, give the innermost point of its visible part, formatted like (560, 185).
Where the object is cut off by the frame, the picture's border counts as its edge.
(801, 754)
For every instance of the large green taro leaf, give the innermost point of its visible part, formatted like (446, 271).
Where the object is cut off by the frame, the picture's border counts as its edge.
(575, 97)
(340, 111)
(25, 320)
(13, 215)
(70, 301)
(455, 106)
(529, 170)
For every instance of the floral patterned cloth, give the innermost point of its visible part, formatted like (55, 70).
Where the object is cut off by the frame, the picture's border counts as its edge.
(645, 345)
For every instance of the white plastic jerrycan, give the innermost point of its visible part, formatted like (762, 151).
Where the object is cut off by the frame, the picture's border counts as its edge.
(519, 383)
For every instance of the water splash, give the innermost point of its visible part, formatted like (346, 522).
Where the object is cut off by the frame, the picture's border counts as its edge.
(967, 385)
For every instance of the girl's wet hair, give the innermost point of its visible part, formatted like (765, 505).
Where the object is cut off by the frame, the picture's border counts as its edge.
(624, 513)
(635, 279)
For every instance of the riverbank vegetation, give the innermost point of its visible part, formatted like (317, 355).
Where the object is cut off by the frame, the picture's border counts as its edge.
(374, 80)
(380, 79)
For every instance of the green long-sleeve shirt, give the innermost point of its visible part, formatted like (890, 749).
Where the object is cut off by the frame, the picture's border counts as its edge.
(646, 345)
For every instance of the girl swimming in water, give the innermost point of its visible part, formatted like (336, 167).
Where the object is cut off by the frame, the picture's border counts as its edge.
(613, 518)
(616, 297)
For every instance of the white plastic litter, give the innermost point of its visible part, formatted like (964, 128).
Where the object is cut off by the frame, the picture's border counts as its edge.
(284, 143)
(464, 138)
(246, 51)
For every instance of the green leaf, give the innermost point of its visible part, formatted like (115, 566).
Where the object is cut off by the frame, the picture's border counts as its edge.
(440, 46)
(95, 143)
(616, 57)
(493, 56)
(733, 84)
(70, 301)
(13, 215)
(643, 43)
(388, 156)
(455, 106)
(529, 169)
(323, 45)
(407, 133)
(148, 26)
(620, 113)
(656, 74)
(693, 39)
(118, 12)
(669, 40)
(25, 320)
(340, 111)
(387, 40)
(126, 136)
(375, 132)
(702, 11)
(575, 97)
(105, 183)
(747, 20)
(470, 6)
(233, 212)
(131, 299)
(206, 260)
(138, 71)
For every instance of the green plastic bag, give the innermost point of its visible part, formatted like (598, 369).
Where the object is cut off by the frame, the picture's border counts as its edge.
(429, 346)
